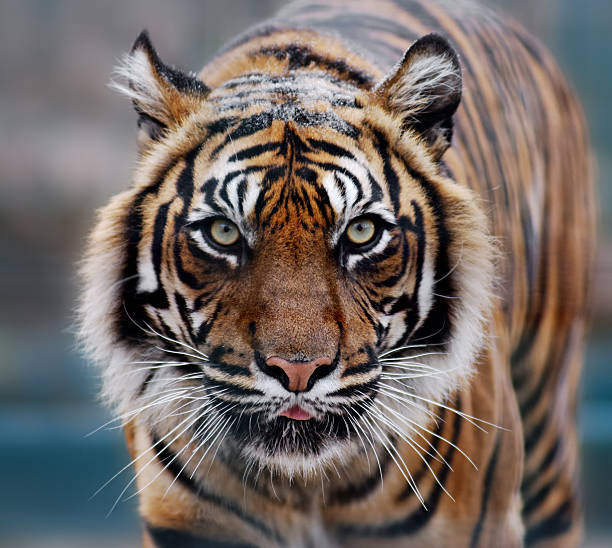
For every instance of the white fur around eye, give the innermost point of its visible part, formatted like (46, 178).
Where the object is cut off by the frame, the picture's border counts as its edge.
(355, 258)
(199, 239)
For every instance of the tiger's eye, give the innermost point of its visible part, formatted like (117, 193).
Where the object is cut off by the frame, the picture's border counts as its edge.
(361, 231)
(224, 232)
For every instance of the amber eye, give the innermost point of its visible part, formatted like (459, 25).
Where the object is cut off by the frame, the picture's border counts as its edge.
(224, 232)
(361, 231)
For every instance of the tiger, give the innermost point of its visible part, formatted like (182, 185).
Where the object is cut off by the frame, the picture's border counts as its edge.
(343, 302)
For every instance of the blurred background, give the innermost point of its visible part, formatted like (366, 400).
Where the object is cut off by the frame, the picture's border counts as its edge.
(67, 143)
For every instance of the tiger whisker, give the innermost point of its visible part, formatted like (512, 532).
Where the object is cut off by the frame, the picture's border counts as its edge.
(174, 341)
(195, 436)
(407, 403)
(121, 418)
(413, 425)
(160, 366)
(133, 462)
(446, 296)
(344, 417)
(472, 420)
(469, 418)
(190, 401)
(187, 377)
(220, 442)
(270, 471)
(408, 347)
(406, 376)
(391, 450)
(355, 421)
(151, 331)
(457, 263)
(198, 414)
(403, 376)
(411, 443)
(178, 352)
(414, 365)
(418, 356)
(193, 418)
(404, 436)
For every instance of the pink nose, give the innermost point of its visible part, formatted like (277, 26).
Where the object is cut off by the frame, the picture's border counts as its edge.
(300, 376)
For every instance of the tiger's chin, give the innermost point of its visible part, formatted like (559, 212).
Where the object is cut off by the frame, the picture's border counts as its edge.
(293, 448)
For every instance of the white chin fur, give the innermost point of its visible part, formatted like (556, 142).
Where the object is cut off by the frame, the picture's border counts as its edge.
(294, 465)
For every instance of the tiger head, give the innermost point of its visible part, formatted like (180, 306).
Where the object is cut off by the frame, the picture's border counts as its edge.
(293, 277)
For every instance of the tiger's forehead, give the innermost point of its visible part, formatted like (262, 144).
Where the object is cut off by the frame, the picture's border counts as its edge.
(311, 90)
(308, 176)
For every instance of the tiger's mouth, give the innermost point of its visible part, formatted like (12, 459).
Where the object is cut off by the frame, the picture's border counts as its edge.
(296, 412)
(268, 437)
(295, 431)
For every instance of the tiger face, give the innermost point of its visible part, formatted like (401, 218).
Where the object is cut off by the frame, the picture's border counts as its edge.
(292, 272)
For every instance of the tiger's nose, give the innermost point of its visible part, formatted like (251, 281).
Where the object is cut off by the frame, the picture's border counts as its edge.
(297, 376)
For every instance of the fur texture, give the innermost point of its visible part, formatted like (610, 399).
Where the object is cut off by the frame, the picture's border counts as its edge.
(438, 408)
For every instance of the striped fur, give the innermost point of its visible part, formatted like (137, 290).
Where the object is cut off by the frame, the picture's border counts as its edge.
(446, 413)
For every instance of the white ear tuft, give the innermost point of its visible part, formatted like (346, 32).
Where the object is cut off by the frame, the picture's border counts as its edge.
(425, 90)
(134, 78)
(163, 96)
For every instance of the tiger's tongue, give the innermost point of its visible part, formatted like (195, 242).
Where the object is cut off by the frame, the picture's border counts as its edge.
(296, 413)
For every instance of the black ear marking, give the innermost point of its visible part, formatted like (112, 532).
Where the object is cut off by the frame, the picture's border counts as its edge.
(152, 128)
(425, 90)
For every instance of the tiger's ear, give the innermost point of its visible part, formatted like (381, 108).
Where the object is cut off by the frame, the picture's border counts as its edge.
(425, 90)
(162, 96)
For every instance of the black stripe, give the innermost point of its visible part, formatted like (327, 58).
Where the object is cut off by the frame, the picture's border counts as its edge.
(486, 494)
(330, 148)
(184, 312)
(364, 29)
(146, 382)
(132, 316)
(436, 328)
(173, 538)
(556, 524)
(300, 56)
(535, 434)
(358, 369)
(383, 148)
(185, 188)
(531, 478)
(231, 389)
(252, 152)
(418, 229)
(365, 388)
(532, 502)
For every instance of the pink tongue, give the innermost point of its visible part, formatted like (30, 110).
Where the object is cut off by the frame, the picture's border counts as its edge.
(296, 413)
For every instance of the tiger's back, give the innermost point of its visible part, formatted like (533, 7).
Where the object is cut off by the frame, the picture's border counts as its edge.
(518, 142)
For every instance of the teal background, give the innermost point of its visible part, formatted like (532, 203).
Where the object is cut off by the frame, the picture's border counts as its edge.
(67, 143)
